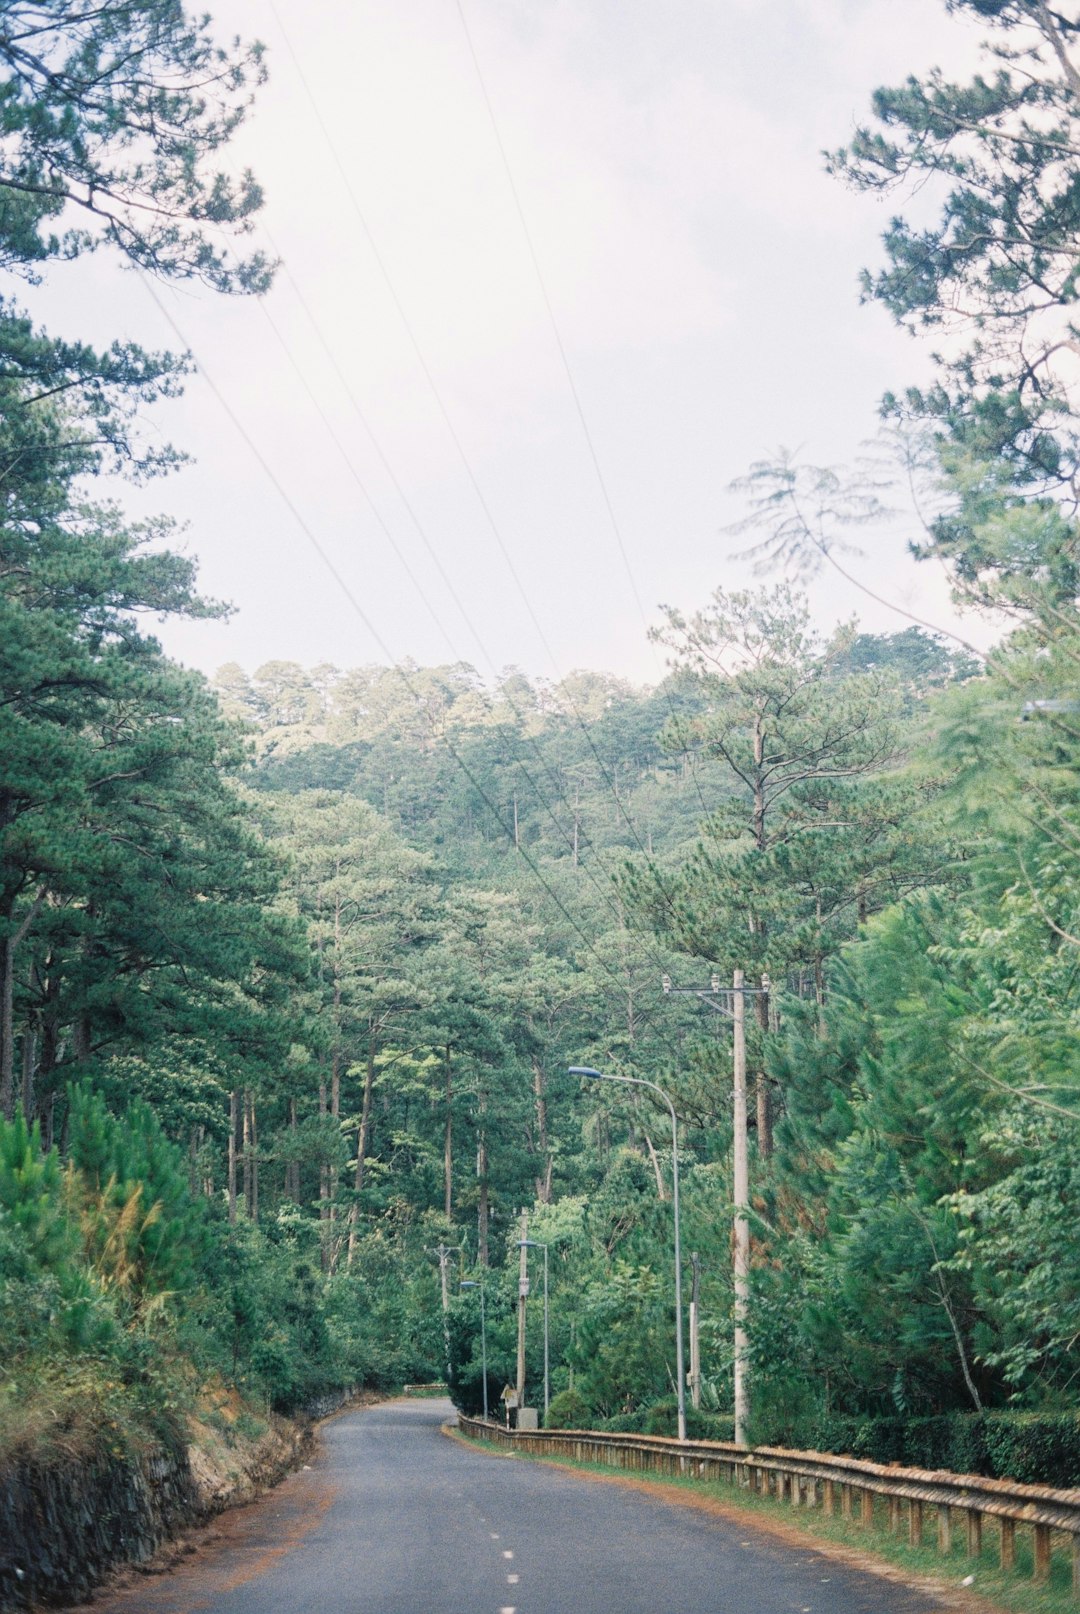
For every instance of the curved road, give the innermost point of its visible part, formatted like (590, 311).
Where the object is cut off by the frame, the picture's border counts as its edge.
(394, 1518)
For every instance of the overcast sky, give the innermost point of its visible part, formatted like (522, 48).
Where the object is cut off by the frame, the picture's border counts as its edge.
(701, 267)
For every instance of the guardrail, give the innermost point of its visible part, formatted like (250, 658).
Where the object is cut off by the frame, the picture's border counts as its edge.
(435, 1388)
(848, 1485)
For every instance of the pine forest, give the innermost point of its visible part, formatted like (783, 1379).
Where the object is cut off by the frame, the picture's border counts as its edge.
(297, 961)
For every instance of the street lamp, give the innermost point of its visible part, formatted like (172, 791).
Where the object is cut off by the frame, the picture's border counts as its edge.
(536, 1244)
(639, 1081)
(471, 1283)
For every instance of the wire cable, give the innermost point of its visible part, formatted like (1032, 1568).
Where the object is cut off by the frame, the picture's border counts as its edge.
(563, 833)
(560, 345)
(459, 446)
(343, 585)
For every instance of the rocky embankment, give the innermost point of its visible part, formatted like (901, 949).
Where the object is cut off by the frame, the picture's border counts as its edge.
(67, 1518)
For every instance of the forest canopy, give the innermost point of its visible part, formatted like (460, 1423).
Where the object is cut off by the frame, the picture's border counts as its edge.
(294, 962)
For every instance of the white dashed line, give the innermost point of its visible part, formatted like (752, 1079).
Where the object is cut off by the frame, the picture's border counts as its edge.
(508, 1610)
(512, 1580)
(494, 1535)
(507, 1554)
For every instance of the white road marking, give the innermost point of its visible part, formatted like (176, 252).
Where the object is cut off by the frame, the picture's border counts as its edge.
(507, 1554)
(512, 1580)
(508, 1610)
(494, 1535)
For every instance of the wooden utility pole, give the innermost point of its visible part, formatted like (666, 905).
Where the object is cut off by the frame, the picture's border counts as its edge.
(695, 1325)
(523, 1291)
(741, 1198)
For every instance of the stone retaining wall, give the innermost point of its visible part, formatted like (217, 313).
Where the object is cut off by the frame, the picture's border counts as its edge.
(65, 1524)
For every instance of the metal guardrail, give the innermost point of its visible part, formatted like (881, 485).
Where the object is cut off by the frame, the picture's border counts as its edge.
(844, 1485)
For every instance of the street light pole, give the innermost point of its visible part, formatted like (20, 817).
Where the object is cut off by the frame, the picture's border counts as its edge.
(471, 1283)
(640, 1081)
(537, 1244)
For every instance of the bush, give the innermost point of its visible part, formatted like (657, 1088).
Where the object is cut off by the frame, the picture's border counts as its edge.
(569, 1410)
(627, 1423)
(662, 1418)
(1035, 1448)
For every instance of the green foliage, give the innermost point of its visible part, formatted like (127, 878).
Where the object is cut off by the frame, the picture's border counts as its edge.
(116, 111)
(284, 1036)
(568, 1410)
(1034, 1448)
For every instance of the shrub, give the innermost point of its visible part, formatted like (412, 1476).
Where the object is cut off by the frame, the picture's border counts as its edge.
(662, 1418)
(1036, 1448)
(569, 1410)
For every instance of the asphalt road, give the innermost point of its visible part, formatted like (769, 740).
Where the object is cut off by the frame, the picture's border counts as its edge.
(394, 1518)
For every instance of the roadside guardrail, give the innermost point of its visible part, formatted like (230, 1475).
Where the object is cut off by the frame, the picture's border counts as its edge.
(844, 1485)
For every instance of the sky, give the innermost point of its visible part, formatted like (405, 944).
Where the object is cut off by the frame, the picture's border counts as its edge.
(391, 457)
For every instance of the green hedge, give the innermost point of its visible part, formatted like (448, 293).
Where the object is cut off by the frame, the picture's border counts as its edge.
(663, 1419)
(1037, 1448)
(568, 1410)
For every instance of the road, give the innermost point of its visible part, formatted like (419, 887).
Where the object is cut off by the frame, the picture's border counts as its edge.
(395, 1518)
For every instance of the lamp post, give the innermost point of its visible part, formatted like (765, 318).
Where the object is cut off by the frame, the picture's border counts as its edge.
(471, 1283)
(537, 1244)
(639, 1081)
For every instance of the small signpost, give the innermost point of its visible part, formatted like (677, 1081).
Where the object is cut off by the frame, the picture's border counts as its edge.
(509, 1400)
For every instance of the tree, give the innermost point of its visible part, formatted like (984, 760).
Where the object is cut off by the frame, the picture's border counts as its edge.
(996, 275)
(999, 264)
(797, 848)
(113, 112)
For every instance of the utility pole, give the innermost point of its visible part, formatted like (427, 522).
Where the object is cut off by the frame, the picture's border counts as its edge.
(523, 1292)
(695, 1340)
(716, 998)
(741, 1186)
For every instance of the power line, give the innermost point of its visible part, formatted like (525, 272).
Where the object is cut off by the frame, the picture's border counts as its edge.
(402, 673)
(459, 446)
(594, 457)
(616, 911)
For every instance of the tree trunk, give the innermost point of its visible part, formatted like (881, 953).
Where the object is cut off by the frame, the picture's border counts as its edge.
(292, 1170)
(246, 1150)
(234, 1106)
(764, 1096)
(254, 1162)
(661, 1186)
(362, 1146)
(7, 1030)
(324, 1170)
(759, 785)
(7, 1006)
(543, 1182)
(448, 1141)
(483, 1203)
(29, 1058)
